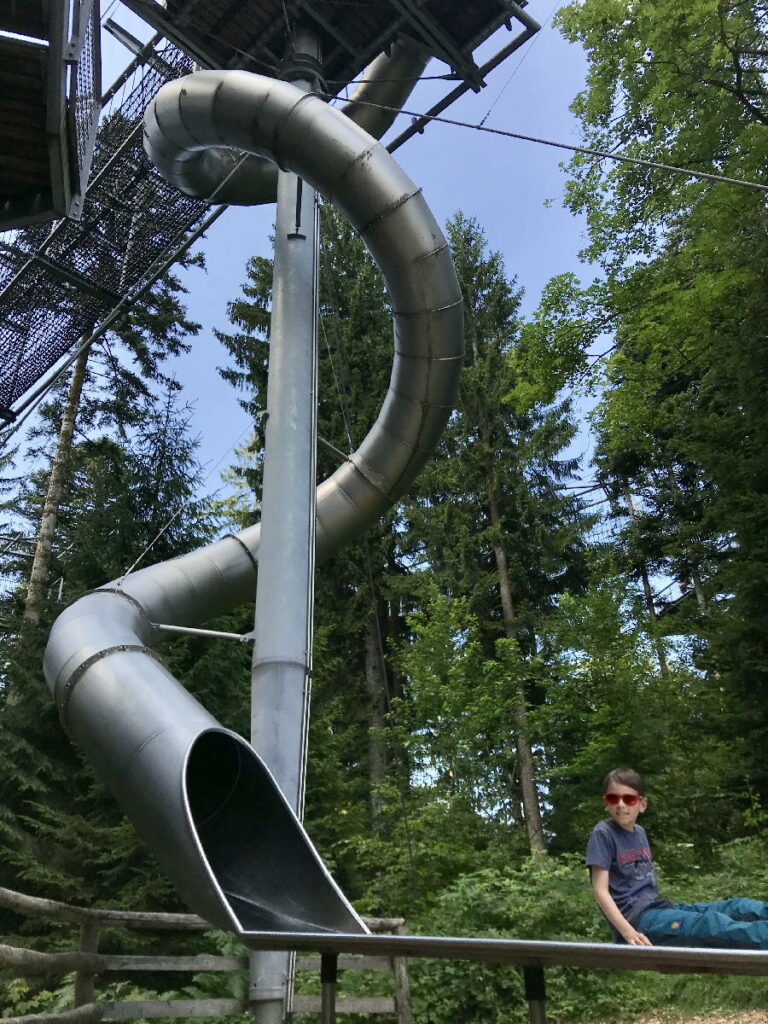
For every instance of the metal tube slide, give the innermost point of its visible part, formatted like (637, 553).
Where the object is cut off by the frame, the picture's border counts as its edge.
(249, 179)
(199, 796)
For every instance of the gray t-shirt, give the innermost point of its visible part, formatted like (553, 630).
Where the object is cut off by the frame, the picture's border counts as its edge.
(626, 856)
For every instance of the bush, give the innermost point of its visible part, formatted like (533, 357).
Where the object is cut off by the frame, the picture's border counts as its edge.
(553, 901)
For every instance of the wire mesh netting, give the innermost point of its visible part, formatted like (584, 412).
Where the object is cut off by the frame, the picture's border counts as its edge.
(85, 87)
(57, 283)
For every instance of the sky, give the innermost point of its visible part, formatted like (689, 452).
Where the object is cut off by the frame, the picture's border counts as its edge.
(513, 188)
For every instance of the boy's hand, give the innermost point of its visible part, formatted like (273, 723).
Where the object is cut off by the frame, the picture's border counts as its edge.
(635, 938)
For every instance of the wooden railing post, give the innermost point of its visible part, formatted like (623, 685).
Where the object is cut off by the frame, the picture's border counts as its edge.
(85, 981)
(403, 1008)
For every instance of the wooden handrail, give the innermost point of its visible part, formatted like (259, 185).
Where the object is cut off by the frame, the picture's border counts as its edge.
(34, 906)
(30, 961)
(88, 963)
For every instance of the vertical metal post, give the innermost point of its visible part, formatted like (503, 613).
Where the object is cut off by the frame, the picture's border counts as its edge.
(280, 680)
(329, 963)
(535, 993)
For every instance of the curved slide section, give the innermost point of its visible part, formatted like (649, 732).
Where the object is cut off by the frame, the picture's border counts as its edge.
(243, 179)
(198, 795)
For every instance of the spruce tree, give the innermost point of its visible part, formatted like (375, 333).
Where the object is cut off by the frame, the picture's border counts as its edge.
(493, 524)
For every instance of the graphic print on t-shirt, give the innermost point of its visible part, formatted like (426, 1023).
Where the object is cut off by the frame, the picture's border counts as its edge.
(640, 856)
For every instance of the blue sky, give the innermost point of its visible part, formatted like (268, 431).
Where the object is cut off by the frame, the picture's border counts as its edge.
(504, 183)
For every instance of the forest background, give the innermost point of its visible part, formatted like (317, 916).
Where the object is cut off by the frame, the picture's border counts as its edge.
(498, 642)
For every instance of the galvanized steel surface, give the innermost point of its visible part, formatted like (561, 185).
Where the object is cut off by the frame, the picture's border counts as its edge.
(528, 953)
(238, 176)
(150, 739)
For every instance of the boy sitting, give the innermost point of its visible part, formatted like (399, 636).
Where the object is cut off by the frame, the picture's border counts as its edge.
(625, 886)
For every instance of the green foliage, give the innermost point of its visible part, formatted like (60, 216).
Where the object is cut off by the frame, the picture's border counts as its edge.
(671, 336)
(460, 706)
(549, 901)
(605, 704)
(552, 901)
(500, 539)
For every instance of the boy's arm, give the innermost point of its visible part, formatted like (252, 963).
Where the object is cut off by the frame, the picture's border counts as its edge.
(608, 906)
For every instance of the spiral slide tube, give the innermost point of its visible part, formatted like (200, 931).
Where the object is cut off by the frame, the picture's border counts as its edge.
(198, 795)
(226, 176)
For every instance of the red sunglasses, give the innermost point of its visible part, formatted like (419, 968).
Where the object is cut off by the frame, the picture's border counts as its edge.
(630, 799)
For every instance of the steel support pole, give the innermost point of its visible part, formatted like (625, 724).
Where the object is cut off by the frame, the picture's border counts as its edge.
(536, 994)
(329, 973)
(284, 596)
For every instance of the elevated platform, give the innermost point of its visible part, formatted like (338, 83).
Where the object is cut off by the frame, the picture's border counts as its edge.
(73, 263)
(58, 282)
(252, 34)
(49, 103)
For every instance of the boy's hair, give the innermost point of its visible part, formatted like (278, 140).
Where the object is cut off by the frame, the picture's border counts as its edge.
(625, 777)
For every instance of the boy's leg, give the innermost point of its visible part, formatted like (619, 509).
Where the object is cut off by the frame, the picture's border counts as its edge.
(683, 925)
(739, 908)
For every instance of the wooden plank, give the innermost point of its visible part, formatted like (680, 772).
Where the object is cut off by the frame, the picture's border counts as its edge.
(402, 990)
(403, 1005)
(352, 962)
(352, 1004)
(133, 1009)
(384, 924)
(199, 962)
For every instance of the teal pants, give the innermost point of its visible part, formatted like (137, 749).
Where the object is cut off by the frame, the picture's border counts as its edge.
(727, 924)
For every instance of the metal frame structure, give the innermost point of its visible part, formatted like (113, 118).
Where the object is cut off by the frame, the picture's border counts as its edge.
(227, 34)
(50, 81)
(57, 284)
(64, 263)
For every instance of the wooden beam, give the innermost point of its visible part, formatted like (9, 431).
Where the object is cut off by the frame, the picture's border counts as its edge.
(200, 962)
(350, 1004)
(132, 1009)
(29, 961)
(85, 981)
(34, 906)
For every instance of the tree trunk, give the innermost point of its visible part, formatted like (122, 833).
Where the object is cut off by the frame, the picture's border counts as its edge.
(648, 595)
(693, 570)
(375, 684)
(525, 760)
(698, 589)
(56, 484)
